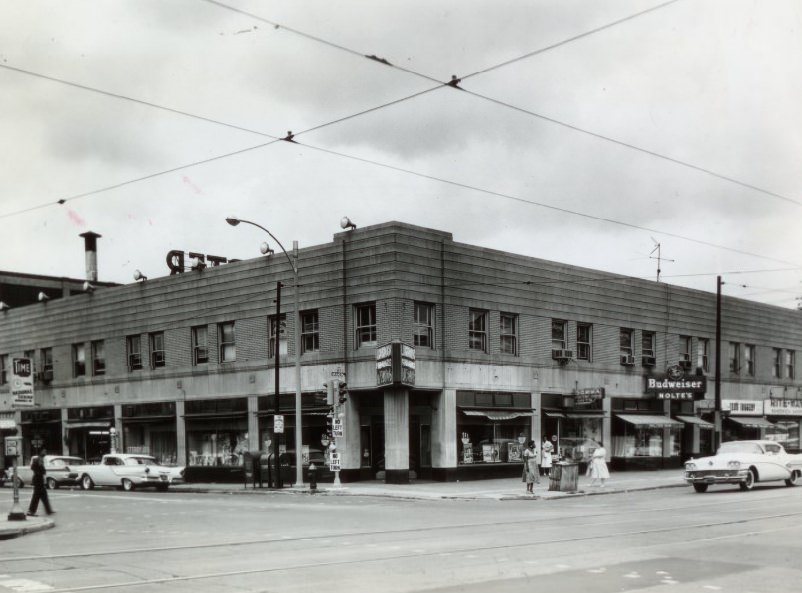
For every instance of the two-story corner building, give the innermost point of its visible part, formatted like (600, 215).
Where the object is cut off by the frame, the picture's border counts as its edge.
(498, 348)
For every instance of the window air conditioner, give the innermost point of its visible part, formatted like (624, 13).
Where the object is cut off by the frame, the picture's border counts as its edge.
(685, 363)
(562, 354)
(627, 359)
(649, 361)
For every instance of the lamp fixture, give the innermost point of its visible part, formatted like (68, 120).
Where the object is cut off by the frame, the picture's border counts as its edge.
(139, 276)
(232, 220)
(88, 287)
(346, 223)
(265, 249)
(3, 306)
(43, 297)
(198, 264)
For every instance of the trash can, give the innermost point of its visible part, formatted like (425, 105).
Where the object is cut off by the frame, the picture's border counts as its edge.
(564, 477)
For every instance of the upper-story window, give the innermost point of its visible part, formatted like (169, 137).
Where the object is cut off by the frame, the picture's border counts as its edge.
(365, 325)
(133, 346)
(584, 341)
(477, 330)
(558, 334)
(157, 356)
(702, 354)
(508, 340)
(685, 345)
(310, 331)
(225, 338)
(735, 358)
(3, 369)
(78, 360)
(648, 345)
(200, 344)
(790, 364)
(98, 358)
(626, 340)
(749, 360)
(776, 363)
(46, 359)
(423, 325)
(282, 336)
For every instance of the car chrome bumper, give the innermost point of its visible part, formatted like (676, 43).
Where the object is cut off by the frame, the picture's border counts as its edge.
(727, 477)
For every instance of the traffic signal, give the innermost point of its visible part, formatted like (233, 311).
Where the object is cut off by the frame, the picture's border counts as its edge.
(329, 393)
(343, 392)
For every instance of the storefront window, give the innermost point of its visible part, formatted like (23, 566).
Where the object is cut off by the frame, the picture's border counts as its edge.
(217, 447)
(579, 437)
(785, 432)
(484, 441)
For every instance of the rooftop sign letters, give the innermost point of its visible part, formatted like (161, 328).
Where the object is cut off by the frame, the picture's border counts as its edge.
(175, 260)
(673, 384)
(22, 383)
(395, 364)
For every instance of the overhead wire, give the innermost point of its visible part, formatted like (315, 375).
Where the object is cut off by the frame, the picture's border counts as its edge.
(377, 163)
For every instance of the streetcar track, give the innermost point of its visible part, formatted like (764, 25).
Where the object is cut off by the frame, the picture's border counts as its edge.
(322, 564)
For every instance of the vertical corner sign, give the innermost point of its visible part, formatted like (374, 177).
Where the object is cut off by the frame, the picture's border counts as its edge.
(22, 383)
(395, 364)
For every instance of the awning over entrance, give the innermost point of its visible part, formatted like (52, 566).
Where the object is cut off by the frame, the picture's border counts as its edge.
(89, 424)
(697, 421)
(555, 414)
(650, 420)
(497, 415)
(598, 415)
(752, 421)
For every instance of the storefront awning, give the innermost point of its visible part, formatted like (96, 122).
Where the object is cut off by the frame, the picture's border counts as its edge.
(697, 421)
(497, 415)
(598, 415)
(555, 414)
(752, 421)
(89, 424)
(649, 420)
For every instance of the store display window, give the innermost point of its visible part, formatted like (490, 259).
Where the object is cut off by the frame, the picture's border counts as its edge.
(212, 447)
(492, 427)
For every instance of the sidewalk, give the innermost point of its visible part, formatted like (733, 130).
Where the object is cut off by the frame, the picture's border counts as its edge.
(499, 489)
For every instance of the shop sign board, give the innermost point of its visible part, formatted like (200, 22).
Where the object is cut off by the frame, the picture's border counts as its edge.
(586, 397)
(674, 385)
(742, 407)
(782, 407)
(22, 383)
(278, 424)
(395, 364)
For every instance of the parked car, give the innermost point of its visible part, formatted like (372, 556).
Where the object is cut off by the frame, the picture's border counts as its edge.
(59, 470)
(744, 463)
(129, 471)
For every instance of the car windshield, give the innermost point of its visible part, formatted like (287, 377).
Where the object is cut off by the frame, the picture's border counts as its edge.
(740, 447)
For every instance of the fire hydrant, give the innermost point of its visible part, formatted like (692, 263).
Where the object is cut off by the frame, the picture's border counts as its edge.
(312, 478)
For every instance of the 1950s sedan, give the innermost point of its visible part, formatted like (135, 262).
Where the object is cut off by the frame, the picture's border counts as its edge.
(745, 463)
(129, 471)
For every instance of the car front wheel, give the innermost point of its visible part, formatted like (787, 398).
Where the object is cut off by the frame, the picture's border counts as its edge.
(87, 483)
(700, 488)
(749, 483)
(52, 484)
(794, 480)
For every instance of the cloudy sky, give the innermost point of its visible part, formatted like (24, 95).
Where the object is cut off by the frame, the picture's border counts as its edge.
(583, 131)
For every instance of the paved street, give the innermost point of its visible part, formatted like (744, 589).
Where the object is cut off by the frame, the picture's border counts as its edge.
(656, 540)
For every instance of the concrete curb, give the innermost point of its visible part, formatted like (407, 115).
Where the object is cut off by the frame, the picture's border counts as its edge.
(14, 529)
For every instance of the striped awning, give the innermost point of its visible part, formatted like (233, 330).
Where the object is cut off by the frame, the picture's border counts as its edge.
(649, 420)
(752, 421)
(697, 421)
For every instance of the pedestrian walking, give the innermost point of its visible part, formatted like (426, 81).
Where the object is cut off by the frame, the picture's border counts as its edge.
(530, 466)
(598, 467)
(38, 483)
(546, 451)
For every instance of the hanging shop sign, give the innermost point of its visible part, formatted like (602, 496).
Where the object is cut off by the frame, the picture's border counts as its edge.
(586, 397)
(395, 364)
(673, 384)
(782, 407)
(22, 383)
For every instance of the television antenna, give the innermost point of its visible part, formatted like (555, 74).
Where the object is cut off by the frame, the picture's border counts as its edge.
(659, 257)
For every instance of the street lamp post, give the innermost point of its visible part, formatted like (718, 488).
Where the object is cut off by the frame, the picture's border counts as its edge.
(299, 474)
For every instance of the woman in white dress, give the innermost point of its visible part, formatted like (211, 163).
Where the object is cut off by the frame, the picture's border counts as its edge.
(598, 467)
(546, 457)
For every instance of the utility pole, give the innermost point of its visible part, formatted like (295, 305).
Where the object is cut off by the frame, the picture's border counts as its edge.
(717, 392)
(276, 412)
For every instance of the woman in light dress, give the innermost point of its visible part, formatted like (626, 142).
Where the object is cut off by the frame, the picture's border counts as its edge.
(546, 457)
(530, 466)
(598, 467)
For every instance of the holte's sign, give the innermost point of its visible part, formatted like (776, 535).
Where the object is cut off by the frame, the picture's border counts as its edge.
(395, 364)
(675, 385)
